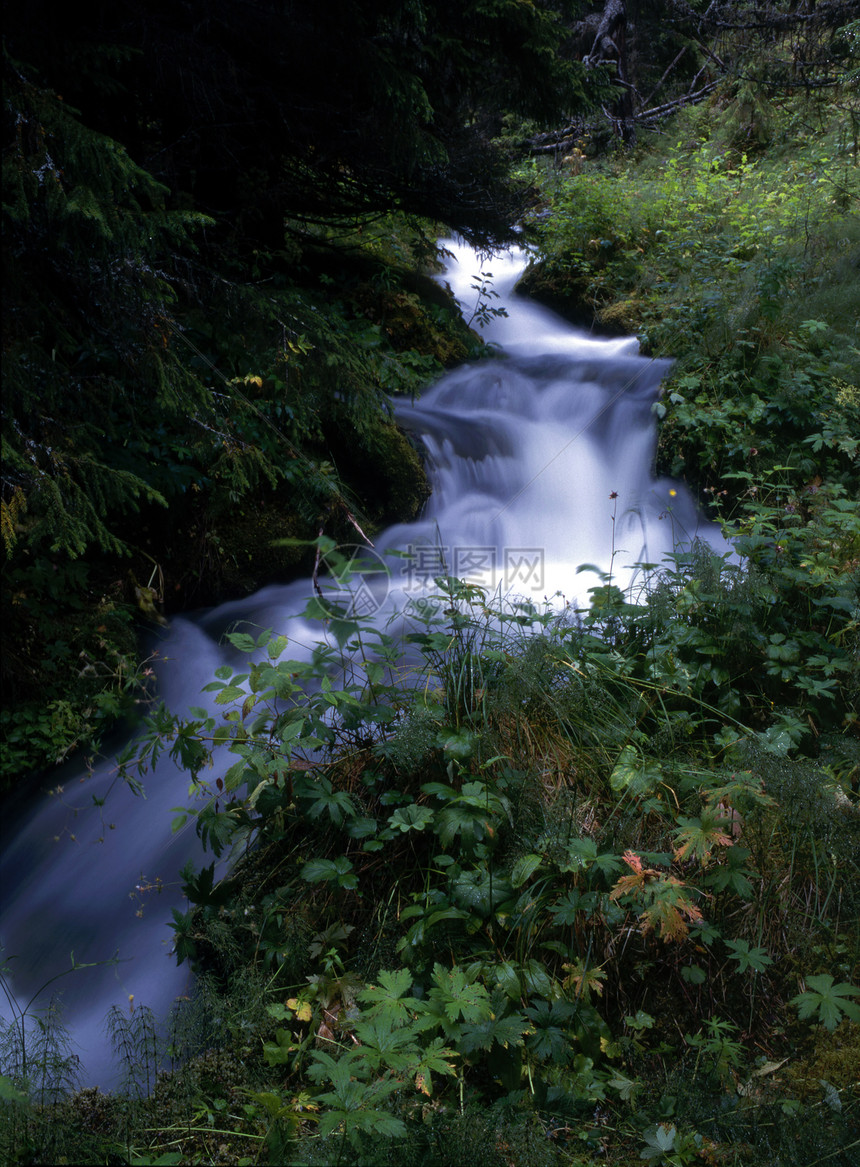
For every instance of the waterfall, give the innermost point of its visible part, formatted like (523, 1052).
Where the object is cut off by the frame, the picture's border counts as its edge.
(540, 460)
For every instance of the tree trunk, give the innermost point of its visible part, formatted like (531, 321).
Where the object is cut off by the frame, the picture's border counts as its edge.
(610, 47)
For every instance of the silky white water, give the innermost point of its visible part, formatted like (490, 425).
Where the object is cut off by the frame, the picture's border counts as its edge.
(540, 460)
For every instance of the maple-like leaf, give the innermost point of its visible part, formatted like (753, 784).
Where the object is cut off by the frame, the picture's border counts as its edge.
(667, 914)
(584, 980)
(697, 837)
(827, 1000)
(668, 910)
(630, 884)
(388, 999)
(454, 998)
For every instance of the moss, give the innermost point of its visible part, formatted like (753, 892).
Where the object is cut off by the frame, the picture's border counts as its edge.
(205, 558)
(832, 1058)
(412, 322)
(573, 293)
(249, 553)
(565, 289)
(393, 482)
(623, 317)
(100, 1115)
(398, 465)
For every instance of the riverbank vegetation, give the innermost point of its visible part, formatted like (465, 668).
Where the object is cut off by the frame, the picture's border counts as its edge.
(556, 887)
(217, 241)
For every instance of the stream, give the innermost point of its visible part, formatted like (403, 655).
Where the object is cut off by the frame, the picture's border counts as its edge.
(540, 461)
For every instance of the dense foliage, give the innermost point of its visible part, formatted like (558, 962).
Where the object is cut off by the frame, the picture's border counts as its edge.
(541, 897)
(541, 886)
(213, 248)
(265, 111)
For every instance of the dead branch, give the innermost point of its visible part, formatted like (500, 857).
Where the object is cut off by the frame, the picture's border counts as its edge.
(659, 84)
(662, 111)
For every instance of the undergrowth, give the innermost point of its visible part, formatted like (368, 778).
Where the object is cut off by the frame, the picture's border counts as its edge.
(740, 264)
(573, 883)
(545, 886)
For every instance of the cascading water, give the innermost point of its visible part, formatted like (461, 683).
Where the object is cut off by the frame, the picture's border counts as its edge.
(540, 461)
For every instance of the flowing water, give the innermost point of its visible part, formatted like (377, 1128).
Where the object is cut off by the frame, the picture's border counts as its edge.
(541, 460)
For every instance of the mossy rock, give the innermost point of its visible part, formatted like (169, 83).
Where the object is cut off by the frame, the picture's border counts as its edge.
(402, 471)
(383, 468)
(251, 550)
(206, 559)
(832, 1058)
(623, 318)
(565, 290)
(410, 323)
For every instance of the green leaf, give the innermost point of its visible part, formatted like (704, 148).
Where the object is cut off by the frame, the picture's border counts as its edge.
(508, 979)
(574, 906)
(658, 1142)
(827, 1000)
(477, 891)
(388, 1001)
(634, 773)
(280, 1051)
(411, 818)
(384, 1045)
(582, 853)
(229, 693)
(391, 984)
(551, 1038)
(524, 869)
(275, 647)
(507, 1032)
(693, 974)
(457, 998)
(731, 873)
(754, 958)
(626, 1087)
(336, 803)
(328, 870)
(361, 828)
(10, 1093)
(446, 914)
(243, 641)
